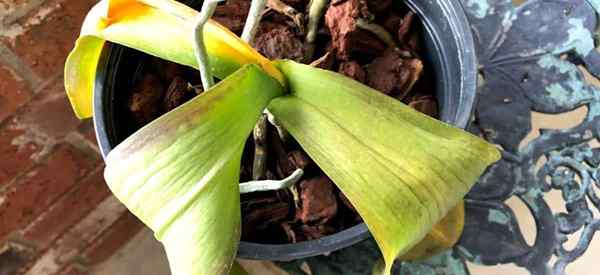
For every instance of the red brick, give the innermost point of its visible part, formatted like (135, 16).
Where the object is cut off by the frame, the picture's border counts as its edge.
(32, 194)
(69, 246)
(68, 210)
(49, 34)
(87, 130)
(81, 236)
(116, 237)
(50, 112)
(73, 270)
(13, 92)
(17, 151)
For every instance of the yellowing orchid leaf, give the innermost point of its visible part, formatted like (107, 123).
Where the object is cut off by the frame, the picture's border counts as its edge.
(163, 28)
(443, 236)
(80, 73)
(402, 170)
(180, 173)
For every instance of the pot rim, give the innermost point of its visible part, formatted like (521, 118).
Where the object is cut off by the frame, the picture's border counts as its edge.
(459, 27)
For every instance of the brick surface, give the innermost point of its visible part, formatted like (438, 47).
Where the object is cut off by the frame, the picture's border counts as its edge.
(69, 247)
(17, 148)
(44, 36)
(74, 270)
(52, 193)
(14, 92)
(87, 130)
(50, 112)
(90, 228)
(67, 211)
(114, 238)
(31, 195)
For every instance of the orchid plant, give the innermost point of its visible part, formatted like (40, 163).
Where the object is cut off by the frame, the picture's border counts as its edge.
(180, 173)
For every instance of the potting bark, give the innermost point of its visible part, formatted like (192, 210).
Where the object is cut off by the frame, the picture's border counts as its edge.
(314, 207)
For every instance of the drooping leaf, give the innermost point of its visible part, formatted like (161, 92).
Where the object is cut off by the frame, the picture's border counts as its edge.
(180, 173)
(237, 269)
(443, 236)
(80, 72)
(402, 170)
(163, 28)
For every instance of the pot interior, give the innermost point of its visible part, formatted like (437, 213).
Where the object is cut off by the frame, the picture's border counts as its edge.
(449, 56)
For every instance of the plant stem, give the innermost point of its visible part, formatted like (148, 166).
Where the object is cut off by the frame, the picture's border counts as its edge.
(315, 12)
(270, 185)
(320, 60)
(253, 20)
(208, 8)
(288, 11)
(259, 167)
(283, 133)
(379, 31)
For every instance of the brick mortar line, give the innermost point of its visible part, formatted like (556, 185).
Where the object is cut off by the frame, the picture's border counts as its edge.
(52, 147)
(15, 63)
(73, 138)
(47, 150)
(19, 13)
(17, 237)
(67, 193)
(107, 204)
(81, 258)
(79, 141)
(40, 85)
(23, 174)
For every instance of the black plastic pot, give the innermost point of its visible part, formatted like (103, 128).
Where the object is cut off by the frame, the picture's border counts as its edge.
(451, 54)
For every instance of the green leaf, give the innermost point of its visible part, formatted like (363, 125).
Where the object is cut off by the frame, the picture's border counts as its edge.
(163, 28)
(180, 173)
(402, 170)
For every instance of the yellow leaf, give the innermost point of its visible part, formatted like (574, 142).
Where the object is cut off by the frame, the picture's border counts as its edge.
(163, 28)
(80, 73)
(402, 170)
(180, 173)
(443, 236)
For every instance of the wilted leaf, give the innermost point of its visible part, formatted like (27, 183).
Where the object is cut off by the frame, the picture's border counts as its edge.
(180, 173)
(402, 170)
(80, 73)
(441, 237)
(163, 28)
